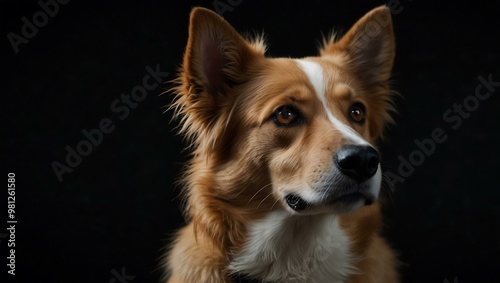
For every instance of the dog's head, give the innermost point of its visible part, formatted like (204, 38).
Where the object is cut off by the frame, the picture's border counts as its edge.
(298, 133)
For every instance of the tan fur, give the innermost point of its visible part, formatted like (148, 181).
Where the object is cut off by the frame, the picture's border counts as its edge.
(226, 92)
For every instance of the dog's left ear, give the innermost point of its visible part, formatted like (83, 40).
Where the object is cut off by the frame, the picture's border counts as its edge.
(368, 45)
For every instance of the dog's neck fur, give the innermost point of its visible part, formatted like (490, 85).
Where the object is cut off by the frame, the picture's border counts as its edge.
(288, 248)
(222, 199)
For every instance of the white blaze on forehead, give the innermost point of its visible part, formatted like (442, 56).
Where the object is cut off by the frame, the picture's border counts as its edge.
(314, 73)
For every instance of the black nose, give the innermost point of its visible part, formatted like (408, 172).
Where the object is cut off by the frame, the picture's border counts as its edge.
(357, 162)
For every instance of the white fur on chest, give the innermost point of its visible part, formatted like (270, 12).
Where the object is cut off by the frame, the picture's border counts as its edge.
(287, 248)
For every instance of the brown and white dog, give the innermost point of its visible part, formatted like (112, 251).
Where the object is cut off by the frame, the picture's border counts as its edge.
(284, 179)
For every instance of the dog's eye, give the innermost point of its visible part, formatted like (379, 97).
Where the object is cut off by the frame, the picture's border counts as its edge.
(357, 113)
(286, 116)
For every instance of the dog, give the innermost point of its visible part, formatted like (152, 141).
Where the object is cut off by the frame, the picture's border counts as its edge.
(284, 179)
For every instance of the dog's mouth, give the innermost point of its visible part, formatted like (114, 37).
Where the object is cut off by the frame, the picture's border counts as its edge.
(333, 194)
(298, 204)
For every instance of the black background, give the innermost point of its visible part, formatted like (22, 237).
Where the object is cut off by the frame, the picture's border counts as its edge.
(118, 207)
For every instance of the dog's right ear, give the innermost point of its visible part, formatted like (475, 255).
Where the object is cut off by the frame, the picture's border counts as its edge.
(216, 55)
(216, 60)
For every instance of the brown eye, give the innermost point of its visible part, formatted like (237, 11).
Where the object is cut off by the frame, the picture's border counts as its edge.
(357, 113)
(285, 116)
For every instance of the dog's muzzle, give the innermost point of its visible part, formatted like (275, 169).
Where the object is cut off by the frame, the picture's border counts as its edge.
(358, 163)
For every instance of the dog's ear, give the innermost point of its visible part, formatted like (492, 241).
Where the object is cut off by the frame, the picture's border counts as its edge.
(216, 55)
(216, 61)
(368, 45)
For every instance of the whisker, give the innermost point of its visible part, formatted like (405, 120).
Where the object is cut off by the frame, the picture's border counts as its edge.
(264, 199)
(387, 189)
(327, 189)
(275, 202)
(236, 195)
(258, 193)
